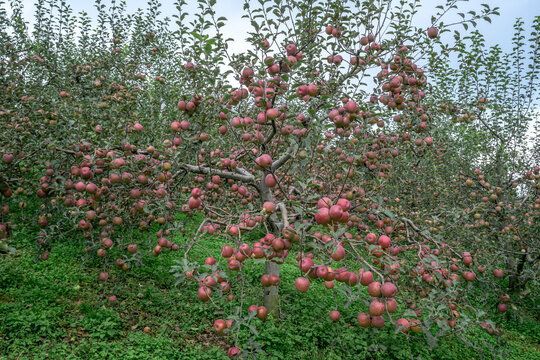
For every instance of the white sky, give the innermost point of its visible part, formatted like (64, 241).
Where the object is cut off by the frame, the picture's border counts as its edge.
(500, 31)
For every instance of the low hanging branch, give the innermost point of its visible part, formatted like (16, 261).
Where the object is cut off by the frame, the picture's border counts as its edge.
(196, 237)
(421, 233)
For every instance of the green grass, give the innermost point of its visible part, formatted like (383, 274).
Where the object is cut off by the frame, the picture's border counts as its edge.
(56, 309)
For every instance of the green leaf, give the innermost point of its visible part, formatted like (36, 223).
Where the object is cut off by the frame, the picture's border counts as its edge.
(431, 340)
(197, 35)
(390, 214)
(409, 313)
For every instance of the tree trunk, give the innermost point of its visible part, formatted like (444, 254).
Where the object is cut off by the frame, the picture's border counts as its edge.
(271, 293)
(515, 285)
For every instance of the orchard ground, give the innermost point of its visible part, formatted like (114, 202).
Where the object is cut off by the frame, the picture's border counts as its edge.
(55, 309)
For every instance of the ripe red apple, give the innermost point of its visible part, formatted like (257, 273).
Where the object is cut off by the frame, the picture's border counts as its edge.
(264, 161)
(270, 180)
(262, 312)
(371, 238)
(377, 321)
(367, 278)
(376, 308)
(498, 273)
(204, 293)
(329, 29)
(306, 264)
(404, 323)
(227, 251)
(339, 253)
(219, 326)
(103, 276)
(275, 280)
(269, 207)
(364, 320)
(432, 32)
(302, 284)
(265, 280)
(352, 279)
(209, 281)
(469, 276)
(322, 271)
(107, 243)
(391, 305)
(157, 250)
(224, 286)
(233, 352)
(234, 264)
(336, 212)
(324, 202)
(8, 158)
(374, 289)
(388, 289)
(233, 231)
(344, 204)
(335, 315)
(384, 241)
(291, 49)
(323, 216)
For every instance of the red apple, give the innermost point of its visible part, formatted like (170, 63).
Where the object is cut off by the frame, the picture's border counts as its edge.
(376, 308)
(388, 289)
(302, 284)
(364, 320)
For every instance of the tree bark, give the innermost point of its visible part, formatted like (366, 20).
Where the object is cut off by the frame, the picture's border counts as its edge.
(515, 285)
(271, 293)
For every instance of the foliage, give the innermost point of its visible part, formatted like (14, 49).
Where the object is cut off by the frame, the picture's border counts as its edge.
(326, 156)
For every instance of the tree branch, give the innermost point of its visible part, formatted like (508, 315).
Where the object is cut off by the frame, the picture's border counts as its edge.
(245, 177)
(415, 228)
(279, 162)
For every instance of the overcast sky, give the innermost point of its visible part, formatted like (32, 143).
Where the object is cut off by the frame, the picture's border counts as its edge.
(500, 31)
